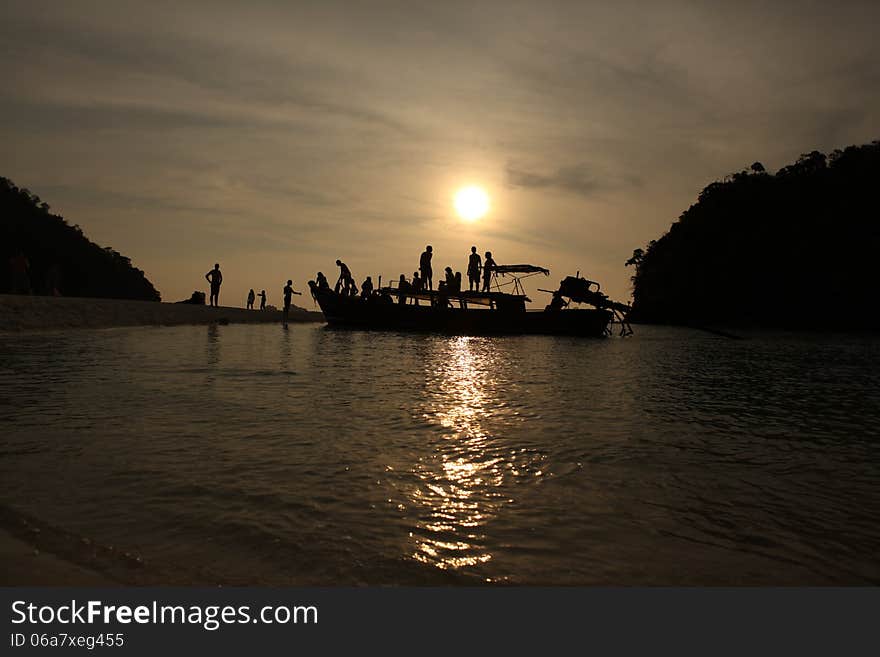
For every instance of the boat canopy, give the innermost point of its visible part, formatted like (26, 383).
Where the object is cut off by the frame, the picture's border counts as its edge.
(520, 269)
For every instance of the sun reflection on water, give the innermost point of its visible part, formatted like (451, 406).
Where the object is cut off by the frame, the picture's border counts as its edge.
(461, 485)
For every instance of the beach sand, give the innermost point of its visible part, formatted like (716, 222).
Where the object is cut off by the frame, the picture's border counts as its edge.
(22, 564)
(35, 553)
(26, 313)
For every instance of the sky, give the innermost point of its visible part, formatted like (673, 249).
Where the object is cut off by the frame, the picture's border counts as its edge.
(275, 137)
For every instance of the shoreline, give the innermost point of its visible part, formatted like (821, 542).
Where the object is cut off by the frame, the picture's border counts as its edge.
(20, 313)
(35, 553)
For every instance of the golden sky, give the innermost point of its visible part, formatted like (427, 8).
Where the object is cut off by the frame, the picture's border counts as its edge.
(275, 137)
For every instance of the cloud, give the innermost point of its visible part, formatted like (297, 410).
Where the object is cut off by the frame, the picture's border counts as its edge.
(182, 80)
(578, 179)
(314, 129)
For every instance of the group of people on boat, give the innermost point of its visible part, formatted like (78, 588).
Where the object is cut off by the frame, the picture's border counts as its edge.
(476, 269)
(422, 279)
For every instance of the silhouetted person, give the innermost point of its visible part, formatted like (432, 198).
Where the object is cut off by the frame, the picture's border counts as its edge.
(345, 282)
(367, 288)
(425, 268)
(449, 279)
(262, 299)
(19, 269)
(288, 295)
(322, 282)
(417, 285)
(215, 278)
(475, 265)
(556, 303)
(442, 300)
(53, 280)
(403, 285)
(488, 267)
(250, 299)
(456, 283)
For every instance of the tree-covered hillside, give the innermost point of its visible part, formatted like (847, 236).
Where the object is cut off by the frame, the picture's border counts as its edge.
(58, 258)
(795, 249)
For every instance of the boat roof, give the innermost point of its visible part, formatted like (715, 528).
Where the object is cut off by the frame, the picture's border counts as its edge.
(520, 269)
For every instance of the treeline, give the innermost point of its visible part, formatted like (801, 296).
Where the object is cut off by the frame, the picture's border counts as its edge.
(59, 258)
(794, 249)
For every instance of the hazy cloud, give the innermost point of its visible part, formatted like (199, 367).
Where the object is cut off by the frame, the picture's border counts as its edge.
(277, 136)
(577, 179)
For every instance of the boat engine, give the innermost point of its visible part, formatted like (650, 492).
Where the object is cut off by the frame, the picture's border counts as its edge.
(583, 290)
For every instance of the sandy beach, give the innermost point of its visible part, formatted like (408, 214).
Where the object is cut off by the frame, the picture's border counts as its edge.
(26, 313)
(35, 553)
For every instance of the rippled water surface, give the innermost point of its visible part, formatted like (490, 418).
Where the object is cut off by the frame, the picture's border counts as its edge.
(314, 456)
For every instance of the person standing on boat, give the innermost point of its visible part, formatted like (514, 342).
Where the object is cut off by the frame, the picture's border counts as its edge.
(250, 299)
(323, 283)
(403, 285)
(262, 299)
(488, 267)
(215, 278)
(346, 280)
(417, 286)
(475, 265)
(425, 268)
(367, 288)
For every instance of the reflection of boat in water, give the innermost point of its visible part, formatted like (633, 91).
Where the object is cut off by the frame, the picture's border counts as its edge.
(478, 313)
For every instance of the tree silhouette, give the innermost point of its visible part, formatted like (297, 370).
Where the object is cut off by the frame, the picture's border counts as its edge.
(60, 256)
(792, 249)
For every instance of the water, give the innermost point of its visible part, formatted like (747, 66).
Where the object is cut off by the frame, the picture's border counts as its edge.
(315, 456)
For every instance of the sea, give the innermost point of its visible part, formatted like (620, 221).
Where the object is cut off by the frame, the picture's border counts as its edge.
(312, 456)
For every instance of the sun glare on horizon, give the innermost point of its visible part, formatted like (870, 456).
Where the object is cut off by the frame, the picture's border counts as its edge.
(471, 203)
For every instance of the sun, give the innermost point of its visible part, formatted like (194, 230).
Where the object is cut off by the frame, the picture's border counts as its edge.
(471, 203)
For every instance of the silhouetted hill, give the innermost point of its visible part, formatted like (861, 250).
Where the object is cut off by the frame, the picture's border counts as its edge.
(793, 249)
(59, 255)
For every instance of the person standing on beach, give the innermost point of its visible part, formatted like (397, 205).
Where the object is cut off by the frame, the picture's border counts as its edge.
(473, 270)
(425, 268)
(250, 299)
(288, 294)
(215, 278)
(262, 299)
(19, 270)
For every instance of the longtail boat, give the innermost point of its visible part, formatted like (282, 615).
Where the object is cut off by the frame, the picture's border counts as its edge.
(578, 308)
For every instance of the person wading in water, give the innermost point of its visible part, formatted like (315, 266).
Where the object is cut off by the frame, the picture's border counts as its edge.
(288, 294)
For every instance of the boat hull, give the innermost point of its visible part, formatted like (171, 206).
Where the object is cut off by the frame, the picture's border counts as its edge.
(353, 312)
